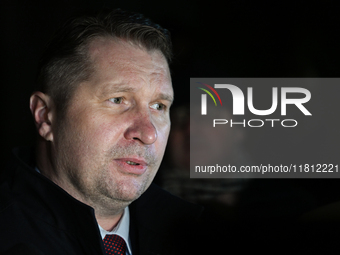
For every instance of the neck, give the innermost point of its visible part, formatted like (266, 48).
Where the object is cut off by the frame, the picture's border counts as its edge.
(109, 223)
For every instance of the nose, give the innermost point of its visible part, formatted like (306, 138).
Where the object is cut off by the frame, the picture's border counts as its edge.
(141, 129)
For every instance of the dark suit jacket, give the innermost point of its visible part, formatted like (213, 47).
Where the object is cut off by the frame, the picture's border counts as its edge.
(38, 217)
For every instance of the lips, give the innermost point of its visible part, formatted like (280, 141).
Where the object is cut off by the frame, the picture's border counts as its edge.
(131, 165)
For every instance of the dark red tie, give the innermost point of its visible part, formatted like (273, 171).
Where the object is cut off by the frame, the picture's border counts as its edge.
(114, 245)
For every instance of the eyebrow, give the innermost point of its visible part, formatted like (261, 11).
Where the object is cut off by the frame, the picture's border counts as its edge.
(119, 88)
(166, 97)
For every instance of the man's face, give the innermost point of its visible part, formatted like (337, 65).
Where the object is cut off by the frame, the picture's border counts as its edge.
(110, 144)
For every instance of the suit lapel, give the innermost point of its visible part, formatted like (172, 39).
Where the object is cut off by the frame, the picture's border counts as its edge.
(156, 219)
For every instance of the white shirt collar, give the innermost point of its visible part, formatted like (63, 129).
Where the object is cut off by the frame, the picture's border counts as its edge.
(122, 229)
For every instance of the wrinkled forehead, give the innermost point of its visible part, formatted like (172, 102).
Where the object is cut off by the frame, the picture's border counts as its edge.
(119, 61)
(99, 47)
(107, 51)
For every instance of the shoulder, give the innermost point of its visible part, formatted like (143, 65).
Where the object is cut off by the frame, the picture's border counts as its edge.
(156, 200)
(157, 218)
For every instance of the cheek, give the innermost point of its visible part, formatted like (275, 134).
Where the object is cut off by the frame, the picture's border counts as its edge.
(162, 138)
(162, 125)
(101, 130)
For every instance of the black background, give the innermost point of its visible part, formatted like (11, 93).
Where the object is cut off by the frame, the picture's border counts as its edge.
(229, 39)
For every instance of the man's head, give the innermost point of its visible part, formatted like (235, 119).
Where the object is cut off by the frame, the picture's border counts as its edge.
(66, 61)
(104, 144)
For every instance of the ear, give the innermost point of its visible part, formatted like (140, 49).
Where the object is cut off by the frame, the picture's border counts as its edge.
(41, 106)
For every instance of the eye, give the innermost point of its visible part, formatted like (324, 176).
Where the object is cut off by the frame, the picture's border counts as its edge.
(158, 106)
(116, 100)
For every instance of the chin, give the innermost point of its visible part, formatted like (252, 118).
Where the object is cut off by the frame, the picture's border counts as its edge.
(129, 191)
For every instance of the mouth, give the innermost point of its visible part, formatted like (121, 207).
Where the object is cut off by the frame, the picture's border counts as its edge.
(132, 163)
(134, 166)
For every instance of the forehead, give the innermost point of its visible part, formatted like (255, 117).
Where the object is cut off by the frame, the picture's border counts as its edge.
(122, 62)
